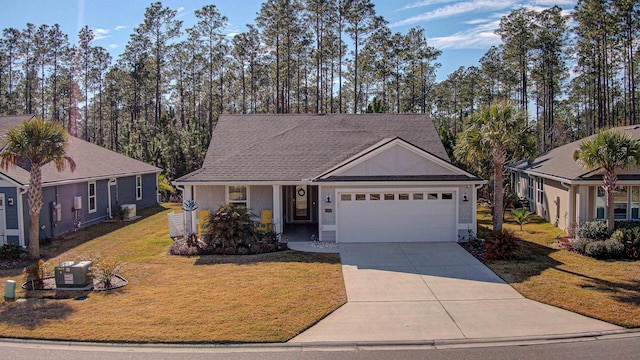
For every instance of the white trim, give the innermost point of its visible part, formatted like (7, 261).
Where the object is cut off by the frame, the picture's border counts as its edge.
(95, 197)
(382, 147)
(140, 187)
(20, 206)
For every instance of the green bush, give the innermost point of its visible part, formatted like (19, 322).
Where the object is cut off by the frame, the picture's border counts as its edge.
(615, 249)
(11, 252)
(500, 245)
(596, 249)
(628, 233)
(230, 228)
(596, 230)
(580, 244)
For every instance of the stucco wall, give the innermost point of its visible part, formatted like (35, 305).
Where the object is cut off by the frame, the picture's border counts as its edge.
(260, 198)
(557, 198)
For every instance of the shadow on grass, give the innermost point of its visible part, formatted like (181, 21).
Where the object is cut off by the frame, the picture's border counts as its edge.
(34, 313)
(530, 260)
(280, 256)
(68, 241)
(624, 292)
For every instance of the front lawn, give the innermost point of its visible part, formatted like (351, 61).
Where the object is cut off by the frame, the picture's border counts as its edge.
(542, 271)
(250, 298)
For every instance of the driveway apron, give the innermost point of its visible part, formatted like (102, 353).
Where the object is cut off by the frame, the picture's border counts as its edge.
(434, 291)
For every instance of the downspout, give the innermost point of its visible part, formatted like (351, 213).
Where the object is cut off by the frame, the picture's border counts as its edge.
(21, 238)
(571, 207)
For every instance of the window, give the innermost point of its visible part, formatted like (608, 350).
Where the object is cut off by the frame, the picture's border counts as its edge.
(238, 195)
(345, 197)
(620, 204)
(601, 202)
(361, 197)
(374, 196)
(403, 196)
(139, 187)
(447, 196)
(635, 203)
(92, 197)
(418, 196)
(432, 196)
(540, 191)
(389, 196)
(530, 188)
(516, 183)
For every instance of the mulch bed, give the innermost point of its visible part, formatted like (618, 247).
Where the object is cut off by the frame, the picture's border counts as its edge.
(50, 284)
(14, 264)
(475, 251)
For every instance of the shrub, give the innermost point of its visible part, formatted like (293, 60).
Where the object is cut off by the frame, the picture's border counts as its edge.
(11, 252)
(596, 230)
(580, 244)
(596, 249)
(230, 227)
(500, 245)
(183, 248)
(615, 249)
(104, 269)
(35, 273)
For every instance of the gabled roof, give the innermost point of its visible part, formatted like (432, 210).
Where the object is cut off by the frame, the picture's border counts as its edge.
(92, 162)
(558, 162)
(296, 147)
(9, 122)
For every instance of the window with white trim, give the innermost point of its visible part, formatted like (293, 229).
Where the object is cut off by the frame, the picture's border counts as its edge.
(91, 190)
(540, 191)
(601, 203)
(530, 188)
(238, 195)
(635, 203)
(620, 202)
(138, 187)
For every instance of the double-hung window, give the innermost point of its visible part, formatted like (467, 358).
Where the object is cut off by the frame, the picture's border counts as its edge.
(139, 187)
(540, 191)
(92, 197)
(530, 188)
(238, 195)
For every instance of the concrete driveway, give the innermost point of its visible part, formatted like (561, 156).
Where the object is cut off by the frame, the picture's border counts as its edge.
(434, 291)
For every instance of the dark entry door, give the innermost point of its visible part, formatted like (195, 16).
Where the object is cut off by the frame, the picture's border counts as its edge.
(301, 203)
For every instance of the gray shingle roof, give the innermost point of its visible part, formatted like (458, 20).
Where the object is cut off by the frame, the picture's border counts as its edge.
(92, 161)
(559, 162)
(8, 122)
(296, 147)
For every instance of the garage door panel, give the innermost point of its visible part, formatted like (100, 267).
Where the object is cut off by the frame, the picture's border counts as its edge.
(396, 220)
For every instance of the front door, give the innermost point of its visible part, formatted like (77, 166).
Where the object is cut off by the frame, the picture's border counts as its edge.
(301, 203)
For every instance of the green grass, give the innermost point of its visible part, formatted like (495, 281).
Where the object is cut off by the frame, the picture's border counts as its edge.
(250, 298)
(543, 271)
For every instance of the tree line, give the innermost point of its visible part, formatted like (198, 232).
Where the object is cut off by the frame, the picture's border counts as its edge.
(160, 99)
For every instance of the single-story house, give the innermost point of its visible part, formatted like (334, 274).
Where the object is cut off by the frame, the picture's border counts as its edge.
(352, 178)
(102, 181)
(567, 195)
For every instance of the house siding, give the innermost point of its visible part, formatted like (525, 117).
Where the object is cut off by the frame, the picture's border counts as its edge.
(10, 211)
(557, 198)
(260, 198)
(210, 197)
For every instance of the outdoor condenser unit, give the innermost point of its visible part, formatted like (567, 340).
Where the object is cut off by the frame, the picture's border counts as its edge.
(130, 209)
(74, 275)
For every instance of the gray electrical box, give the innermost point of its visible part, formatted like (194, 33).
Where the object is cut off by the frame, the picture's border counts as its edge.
(74, 275)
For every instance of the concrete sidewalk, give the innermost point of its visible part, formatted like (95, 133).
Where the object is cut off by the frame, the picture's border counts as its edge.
(434, 291)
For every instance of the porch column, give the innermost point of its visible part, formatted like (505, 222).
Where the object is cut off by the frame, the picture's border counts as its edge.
(277, 208)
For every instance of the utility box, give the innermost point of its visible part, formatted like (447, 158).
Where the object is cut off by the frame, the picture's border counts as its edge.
(74, 275)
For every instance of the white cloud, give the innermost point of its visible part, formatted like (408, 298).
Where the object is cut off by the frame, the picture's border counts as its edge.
(424, 3)
(457, 9)
(113, 46)
(550, 3)
(480, 37)
(99, 34)
(232, 34)
(180, 9)
(119, 27)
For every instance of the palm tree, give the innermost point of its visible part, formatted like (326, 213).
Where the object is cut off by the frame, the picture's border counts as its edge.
(610, 151)
(498, 133)
(37, 142)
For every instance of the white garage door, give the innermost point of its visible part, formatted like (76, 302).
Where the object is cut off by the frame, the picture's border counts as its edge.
(396, 216)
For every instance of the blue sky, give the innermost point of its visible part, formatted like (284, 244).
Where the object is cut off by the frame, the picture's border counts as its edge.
(463, 30)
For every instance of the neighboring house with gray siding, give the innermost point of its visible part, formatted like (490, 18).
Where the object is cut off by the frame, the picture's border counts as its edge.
(353, 178)
(103, 180)
(567, 195)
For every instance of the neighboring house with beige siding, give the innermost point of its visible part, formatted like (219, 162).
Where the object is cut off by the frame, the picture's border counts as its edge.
(352, 178)
(565, 194)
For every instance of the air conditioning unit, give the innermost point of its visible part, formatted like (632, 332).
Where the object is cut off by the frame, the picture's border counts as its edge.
(130, 211)
(74, 275)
